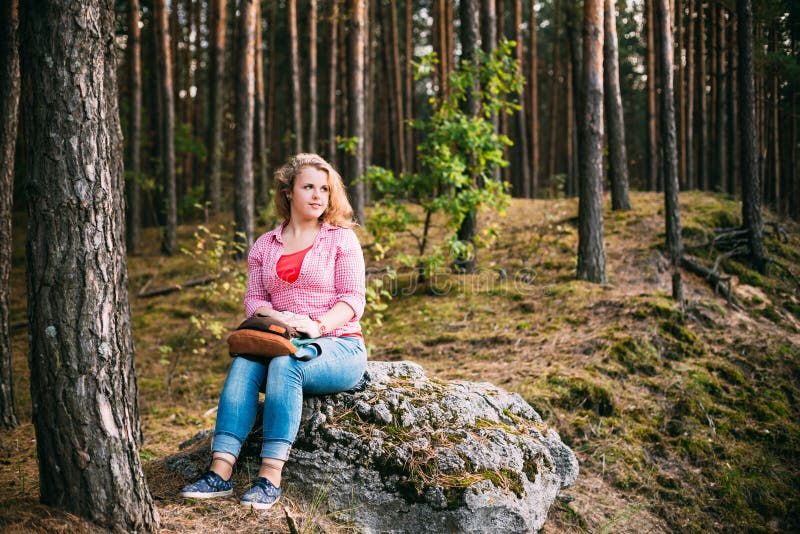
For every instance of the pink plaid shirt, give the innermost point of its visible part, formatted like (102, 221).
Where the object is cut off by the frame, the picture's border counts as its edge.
(332, 271)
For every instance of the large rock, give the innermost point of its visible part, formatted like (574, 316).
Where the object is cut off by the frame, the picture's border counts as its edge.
(413, 454)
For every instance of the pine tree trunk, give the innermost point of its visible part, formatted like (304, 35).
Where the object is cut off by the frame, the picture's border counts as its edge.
(313, 129)
(397, 88)
(522, 143)
(271, 102)
(9, 119)
(668, 134)
(261, 177)
(688, 146)
(701, 102)
(83, 386)
(617, 155)
(357, 167)
(408, 108)
(245, 103)
(169, 244)
(773, 176)
(680, 91)
(294, 67)
(591, 252)
(570, 159)
(733, 119)
(651, 153)
(573, 34)
(332, 82)
(489, 43)
(216, 104)
(721, 127)
(554, 92)
(533, 91)
(751, 187)
(713, 175)
(134, 205)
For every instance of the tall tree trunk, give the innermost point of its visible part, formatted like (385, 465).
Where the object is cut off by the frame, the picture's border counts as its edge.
(571, 134)
(260, 125)
(701, 102)
(556, 62)
(533, 92)
(617, 155)
(721, 127)
(668, 134)
(751, 186)
(313, 129)
(271, 102)
(408, 108)
(216, 104)
(187, 167)
(773, 176)
(470, 42)
(573, 34)
(9, 107)
(713, 82)
(688, 146)
(332, 82)
(83, 386)
(245, 102)
(134, 207)
(169, 244)
(680, 89)
(294, 67)
(651, 152)
(591, 252)
(522, 144)
(397, 86)
(489, 43)
(357, 167)
(733, 112)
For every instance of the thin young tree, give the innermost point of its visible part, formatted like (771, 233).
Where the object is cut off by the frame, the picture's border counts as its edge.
(397, 87)
(688, 128)
(216, 103)
(169, 244)
(651, 147)
(313, 107)
(617, 156)
(9, 106)
(664, 55)
(357, 165)
(591, 251)
(721, 128)
(261, 176)
(408, 108)
(533, 95)
(521, 146)
(294, 68)
(134, 206)
(333, 81)
(489, 43)
(245, 103)
(701, 101)
(83, 385)
(751, 184)
(269, 132)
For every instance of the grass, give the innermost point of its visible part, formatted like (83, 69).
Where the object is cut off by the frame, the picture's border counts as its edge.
(681, 420)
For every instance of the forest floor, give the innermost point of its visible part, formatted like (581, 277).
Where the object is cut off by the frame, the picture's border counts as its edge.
(682, 419)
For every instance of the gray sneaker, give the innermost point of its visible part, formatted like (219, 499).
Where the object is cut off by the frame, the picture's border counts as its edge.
(208, 486)
(261, 496)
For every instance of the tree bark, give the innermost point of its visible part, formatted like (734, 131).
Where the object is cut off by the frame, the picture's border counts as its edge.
(83, 386)
(134, 49)
(733, 119)
(751, 187)
(555, 60)
(313, 129)
(701, 101)
(680, 89)
(533, 92)
(408, 108)
(489, 43)
(169, 244)
(271, 102)
(356, 109)
(651, 153)
(522, 144)
(773, 176)
(294, 67)
(262, 182)
(216, 103)
(591, 252)
(245, 102)
(688, 146)
(397, 88)
(9, 119)
(668, 134)
(617, 156)
(332, 82)
(721, 127)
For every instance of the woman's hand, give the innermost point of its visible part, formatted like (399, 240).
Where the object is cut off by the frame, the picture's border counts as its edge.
(306, 325)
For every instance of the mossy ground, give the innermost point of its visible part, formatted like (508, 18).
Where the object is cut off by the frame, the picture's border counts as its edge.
(682, 420)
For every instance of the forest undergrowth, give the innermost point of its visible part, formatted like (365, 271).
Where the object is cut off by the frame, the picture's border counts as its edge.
(682, 418)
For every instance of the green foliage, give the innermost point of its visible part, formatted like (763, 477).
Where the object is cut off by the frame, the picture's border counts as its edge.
(457, 155)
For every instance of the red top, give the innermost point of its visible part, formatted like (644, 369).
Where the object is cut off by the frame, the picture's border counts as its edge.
(288, 266)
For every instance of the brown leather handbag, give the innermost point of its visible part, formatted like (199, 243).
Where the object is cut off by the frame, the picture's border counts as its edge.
(262, 336)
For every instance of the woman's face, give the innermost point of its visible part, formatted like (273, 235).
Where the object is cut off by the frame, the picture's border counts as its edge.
(310, 194)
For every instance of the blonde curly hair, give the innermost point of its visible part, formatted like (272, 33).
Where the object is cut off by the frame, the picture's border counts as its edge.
(338, 213)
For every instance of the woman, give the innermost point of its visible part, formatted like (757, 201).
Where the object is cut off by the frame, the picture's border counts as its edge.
(309, 273)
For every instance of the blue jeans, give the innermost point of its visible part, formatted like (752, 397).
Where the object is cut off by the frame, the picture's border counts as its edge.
(338, 368)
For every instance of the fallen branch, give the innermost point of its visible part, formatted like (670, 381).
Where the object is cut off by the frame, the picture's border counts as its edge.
(720, 284)
(177, 287)
(290, 521)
